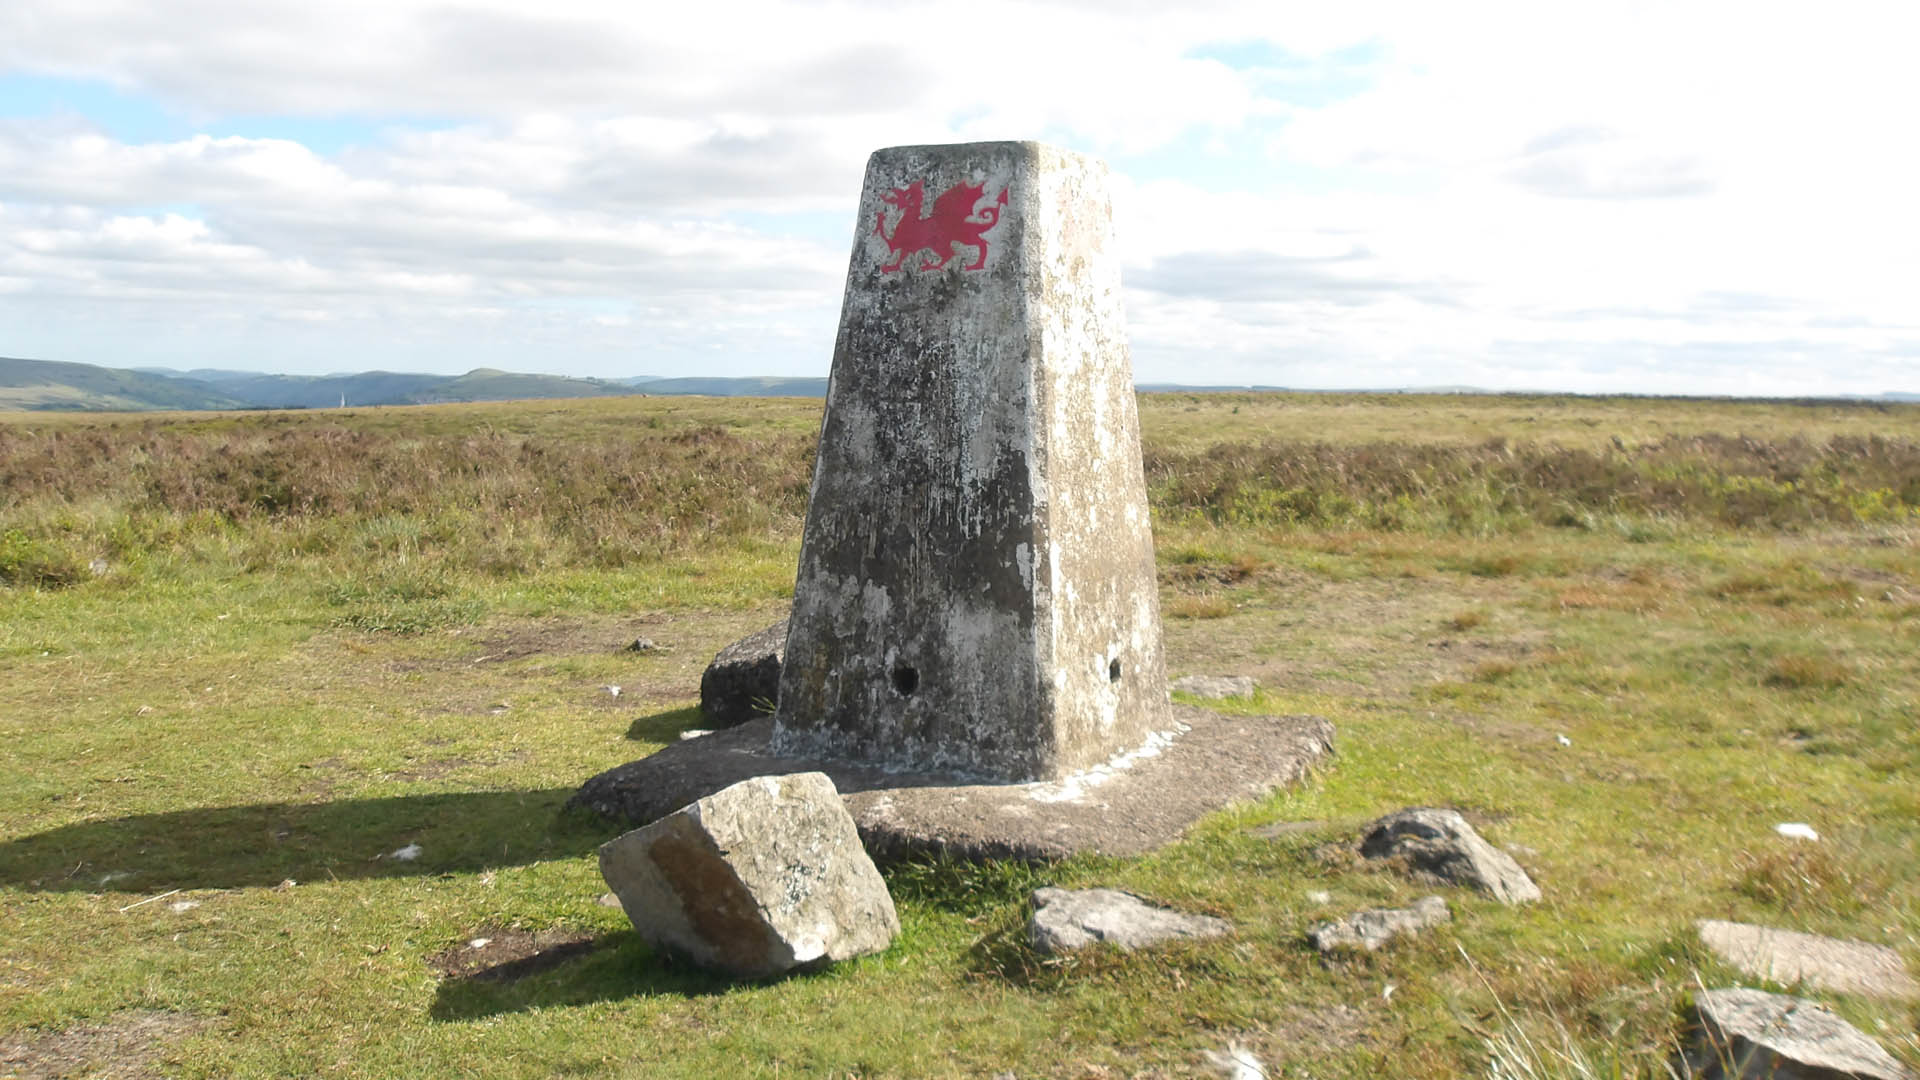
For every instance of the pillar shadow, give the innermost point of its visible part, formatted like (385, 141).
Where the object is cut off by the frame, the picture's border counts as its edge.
(267, 843)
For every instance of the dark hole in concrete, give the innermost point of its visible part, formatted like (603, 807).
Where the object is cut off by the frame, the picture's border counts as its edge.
(1113, 670)
(906, 680)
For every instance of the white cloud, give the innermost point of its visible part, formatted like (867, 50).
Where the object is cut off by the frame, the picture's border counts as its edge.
(1506, 194)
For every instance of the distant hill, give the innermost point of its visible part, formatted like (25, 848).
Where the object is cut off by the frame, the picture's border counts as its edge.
(753, 386)
(42, 384)
(51, 384)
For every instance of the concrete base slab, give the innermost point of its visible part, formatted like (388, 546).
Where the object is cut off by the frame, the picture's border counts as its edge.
(1137, 802)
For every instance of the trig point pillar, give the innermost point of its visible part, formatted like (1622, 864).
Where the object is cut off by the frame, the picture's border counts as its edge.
(976, 591)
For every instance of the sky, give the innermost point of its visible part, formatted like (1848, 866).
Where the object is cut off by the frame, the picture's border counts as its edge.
(1675, 197)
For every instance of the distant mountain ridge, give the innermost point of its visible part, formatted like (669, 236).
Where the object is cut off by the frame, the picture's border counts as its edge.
(57, 385)
(52, 384)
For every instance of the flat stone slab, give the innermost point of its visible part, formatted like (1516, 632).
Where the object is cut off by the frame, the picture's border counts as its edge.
(1065, 919)
(1217, 687)
(1822, 963)
(1136, 803)
(1374, 927)
(1754, 1035)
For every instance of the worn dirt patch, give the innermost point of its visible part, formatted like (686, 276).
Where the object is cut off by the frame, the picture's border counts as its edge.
(509, 953)
(125, 1046)
(1371, 638)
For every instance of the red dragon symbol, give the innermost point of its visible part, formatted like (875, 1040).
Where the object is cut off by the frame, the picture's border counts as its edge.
(954, 220)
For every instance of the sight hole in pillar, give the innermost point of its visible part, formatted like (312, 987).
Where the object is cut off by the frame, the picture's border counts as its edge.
(905, 680)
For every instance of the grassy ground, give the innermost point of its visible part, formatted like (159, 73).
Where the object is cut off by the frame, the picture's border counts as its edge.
(248, 657)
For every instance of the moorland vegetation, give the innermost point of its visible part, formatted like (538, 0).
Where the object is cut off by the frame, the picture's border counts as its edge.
(244, 658)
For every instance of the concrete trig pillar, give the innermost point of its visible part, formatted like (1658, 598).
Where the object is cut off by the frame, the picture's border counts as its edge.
(976, 591)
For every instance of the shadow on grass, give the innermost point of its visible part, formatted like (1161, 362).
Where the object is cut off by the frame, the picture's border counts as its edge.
(665, 727)
(610, 967)
(265, 844)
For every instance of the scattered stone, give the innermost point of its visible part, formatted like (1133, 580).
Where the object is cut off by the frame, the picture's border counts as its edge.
(760, 878)
(1066, 919)
(408, 853)
(1822, 963)
(613, 691)
(183, 905)
(1796, 830)
(608, 900)
(1742, 1034)
(1319, 896)
(743, 681)
(1213, 686)
(641, 644)
(694, 733)
(1440, 842)
(1374, 927)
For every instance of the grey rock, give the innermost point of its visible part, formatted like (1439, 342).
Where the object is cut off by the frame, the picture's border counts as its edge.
(743, 681)
(1374, 927)
(1751, 1035)
(641, 644)
(1214, 686)
(757, 879)
(1823, 963)
(1066, 919)
(1439, 842)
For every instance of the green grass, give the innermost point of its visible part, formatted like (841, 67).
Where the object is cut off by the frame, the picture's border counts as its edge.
(250, 694)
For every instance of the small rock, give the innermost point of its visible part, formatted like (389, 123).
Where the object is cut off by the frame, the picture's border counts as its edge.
(694, 733)
(757, 879)
(1742, 1034)
(1823, 963)
(608, 900)
(408, 853)
(641, 644)
(1374, 927)
(1072, 919)
(1563, 740)
(479, 943)
(1319, 896)
(1213, 686)
(743, 681)
(1441, 843)
(613, 690)
(183, 905)
(1796, 830)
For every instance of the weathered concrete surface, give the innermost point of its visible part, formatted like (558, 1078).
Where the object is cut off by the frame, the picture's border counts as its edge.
(1374, 927)
(1128, 810)
(759, 878)
(1754, 1035)
(1823, 963)
(1065, 919)
(743, 681)
(976, 589)
(1440, 843)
